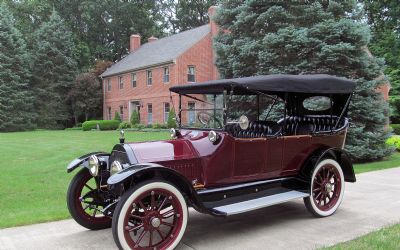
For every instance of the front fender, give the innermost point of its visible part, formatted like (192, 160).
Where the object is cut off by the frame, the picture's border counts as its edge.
(83, 160)
(142, 172)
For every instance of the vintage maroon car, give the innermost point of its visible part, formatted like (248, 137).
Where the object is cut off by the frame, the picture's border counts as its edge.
(241, 144)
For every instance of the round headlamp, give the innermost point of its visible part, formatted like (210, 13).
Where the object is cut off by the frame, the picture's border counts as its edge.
(115, 167)
(173, 133)
(94, 165)
(212, 136)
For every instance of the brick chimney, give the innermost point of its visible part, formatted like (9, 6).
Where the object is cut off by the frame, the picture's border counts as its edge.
(152, 39)
(211, 12)
(134, 42)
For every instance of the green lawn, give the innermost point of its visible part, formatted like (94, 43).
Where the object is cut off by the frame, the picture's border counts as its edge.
(385, 239)
(391, 162)
(33, 177)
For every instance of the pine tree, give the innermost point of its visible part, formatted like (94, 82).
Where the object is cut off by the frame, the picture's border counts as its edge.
(171, 123)
(135, 120)
(297, 37)
(53, 71)
(16, 109)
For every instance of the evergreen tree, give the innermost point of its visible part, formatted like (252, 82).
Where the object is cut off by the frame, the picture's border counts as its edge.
(16, 109)
(53, 71)
(297, 37)
(171, 123)
(117, 117)
(135, 120)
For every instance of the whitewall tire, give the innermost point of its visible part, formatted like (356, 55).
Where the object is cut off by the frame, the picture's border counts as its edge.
(327, 188)
(151, 215)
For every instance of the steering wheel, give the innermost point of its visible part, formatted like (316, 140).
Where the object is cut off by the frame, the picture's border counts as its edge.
(205, 118)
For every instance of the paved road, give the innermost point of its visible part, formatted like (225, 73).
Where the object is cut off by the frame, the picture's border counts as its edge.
(369, 204)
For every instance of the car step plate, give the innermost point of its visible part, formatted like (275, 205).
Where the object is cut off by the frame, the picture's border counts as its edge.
(254, 204)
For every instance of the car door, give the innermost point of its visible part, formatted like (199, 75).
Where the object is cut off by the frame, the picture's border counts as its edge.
(248, 158)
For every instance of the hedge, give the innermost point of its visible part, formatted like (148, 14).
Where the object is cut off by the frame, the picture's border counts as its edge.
(396, 128)
(103, 124)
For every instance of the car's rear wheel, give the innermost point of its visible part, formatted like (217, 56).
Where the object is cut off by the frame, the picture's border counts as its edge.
(151, 215)
(85, 201)
(327, 188)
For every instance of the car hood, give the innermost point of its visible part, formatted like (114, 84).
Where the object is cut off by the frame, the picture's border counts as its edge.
(157, 151)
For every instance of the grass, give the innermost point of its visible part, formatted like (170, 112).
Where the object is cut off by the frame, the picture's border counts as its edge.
(33, 177)
(385, 239)
(391, 162)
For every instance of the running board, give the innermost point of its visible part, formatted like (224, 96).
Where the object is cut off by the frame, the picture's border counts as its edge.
(249, 205)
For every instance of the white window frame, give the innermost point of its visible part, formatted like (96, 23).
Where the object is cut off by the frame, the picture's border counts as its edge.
(149, 78)
(165, 114)
(189, 73)
(149, 114)
(120, 82)
(166, 75)
(133, 80)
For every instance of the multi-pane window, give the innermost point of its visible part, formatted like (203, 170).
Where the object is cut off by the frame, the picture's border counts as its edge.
(108, 84)
(133, 77)
(166, 111)
(109, 113)
(120, 82)
(121, 112)
(149, 113)
(191, 74)
(149, 78)
(191, 113)
(166, 74)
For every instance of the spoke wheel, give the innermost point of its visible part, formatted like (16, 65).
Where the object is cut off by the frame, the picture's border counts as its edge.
(85, 201)
(327, 188)
(151, 216)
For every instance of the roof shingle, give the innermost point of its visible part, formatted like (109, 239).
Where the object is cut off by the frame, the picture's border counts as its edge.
(161, 51)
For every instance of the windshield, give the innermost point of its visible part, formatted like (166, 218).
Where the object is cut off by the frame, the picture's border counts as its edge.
(202, 111)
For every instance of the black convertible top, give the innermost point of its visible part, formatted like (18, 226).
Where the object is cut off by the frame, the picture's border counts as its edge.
(321, 84)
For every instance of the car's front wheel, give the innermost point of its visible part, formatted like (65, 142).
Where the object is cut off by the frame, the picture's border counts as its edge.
(151, 215)
(85, 200)
(327, 188)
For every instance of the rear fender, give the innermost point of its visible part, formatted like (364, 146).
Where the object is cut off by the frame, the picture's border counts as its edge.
(333, 153)
(83, 160)
(141, 172)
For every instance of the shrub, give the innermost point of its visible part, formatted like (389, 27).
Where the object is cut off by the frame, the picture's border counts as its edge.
(135, 118)
(140, 126)
(159, 126)
(103, 125)
(171, 119)
(396, 128)
(117, 117)
(394, 141)
(124, 125)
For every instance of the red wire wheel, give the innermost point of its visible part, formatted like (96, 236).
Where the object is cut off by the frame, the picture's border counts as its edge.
(85, 201)
(150, 216)
(327, 188)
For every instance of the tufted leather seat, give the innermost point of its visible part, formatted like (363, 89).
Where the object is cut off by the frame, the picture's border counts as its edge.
(303, 125)
(256, 129)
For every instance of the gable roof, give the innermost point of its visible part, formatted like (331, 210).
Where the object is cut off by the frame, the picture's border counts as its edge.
(161, 51)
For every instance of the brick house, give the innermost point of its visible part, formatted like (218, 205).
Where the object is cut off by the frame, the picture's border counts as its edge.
(141, 80)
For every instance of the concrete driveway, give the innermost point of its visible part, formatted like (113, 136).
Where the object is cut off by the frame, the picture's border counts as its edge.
(369, 204)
